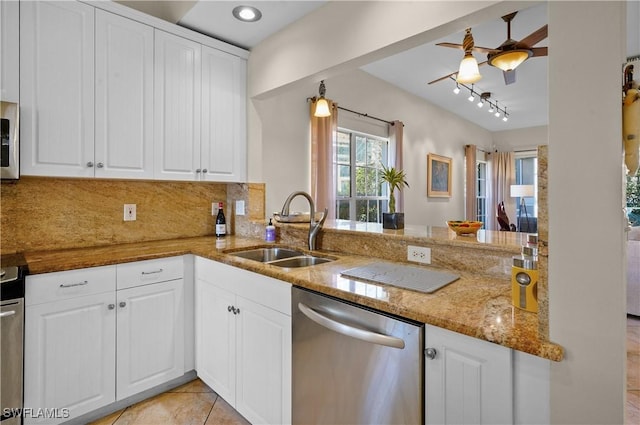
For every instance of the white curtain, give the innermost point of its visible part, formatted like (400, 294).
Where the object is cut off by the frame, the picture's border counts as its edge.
(501, 176)
(323, 133)
(396, 130)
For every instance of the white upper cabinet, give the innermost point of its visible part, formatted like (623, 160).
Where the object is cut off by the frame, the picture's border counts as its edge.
(223, 116)
(57, 88)
(177, 107)
(124, 97)
(10, 47)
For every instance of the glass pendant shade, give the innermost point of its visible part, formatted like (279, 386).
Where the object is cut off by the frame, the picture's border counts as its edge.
(468, 72)
(322, 108)
(509, 60)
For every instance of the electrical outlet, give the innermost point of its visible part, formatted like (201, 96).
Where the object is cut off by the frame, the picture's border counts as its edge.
(419, 254)
(240, 207)
(129, 212)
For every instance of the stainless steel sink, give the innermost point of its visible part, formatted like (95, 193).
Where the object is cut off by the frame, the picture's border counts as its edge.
(281, 257)
(266, 255)
(302, 261)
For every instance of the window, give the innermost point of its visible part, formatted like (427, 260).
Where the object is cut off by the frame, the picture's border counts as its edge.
(527, 174)
(481, 192)
(358, 159)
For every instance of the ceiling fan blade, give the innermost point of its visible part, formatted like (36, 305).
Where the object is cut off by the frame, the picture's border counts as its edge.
(509, 76)
(486, 50)
(452, 74)
(540, 51)
(452, 45)
(535, 37)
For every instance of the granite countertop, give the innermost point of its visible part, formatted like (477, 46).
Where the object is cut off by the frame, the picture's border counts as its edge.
(475, 305)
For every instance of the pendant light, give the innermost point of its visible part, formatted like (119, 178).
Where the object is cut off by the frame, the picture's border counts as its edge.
(322, 106)
(468, 71)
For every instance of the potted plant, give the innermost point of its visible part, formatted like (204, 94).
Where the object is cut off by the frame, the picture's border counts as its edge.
(396, 179)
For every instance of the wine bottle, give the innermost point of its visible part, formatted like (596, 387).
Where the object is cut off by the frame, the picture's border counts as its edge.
(221, 223)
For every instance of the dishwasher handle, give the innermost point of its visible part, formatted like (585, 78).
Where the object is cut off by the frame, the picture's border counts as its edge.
(368, 336)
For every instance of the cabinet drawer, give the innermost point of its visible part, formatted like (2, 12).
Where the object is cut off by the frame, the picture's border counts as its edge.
(149, 271)
(58, 286)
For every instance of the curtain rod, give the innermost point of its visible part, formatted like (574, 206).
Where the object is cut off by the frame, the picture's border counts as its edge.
(360, 114)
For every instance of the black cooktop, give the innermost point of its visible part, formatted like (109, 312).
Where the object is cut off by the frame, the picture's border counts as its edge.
(13, 269)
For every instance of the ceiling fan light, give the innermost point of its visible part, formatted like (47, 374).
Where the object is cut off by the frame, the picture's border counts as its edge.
(468, 72)
(510, 59)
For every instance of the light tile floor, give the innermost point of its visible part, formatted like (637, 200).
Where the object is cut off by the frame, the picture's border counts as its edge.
(193, 403)
(633, 370)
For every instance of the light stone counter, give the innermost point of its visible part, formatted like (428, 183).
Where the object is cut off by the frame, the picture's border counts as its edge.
(477, 304)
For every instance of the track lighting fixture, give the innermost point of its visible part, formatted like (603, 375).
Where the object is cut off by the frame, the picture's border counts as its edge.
(483, 97)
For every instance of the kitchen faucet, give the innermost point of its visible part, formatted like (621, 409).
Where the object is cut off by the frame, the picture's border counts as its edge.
(314, 226)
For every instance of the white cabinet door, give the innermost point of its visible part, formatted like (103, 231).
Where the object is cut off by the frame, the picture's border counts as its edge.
(10, 46)
(469, 381)
(177, 107)
(57, 88)
(264, 364)
(70, 355)
(124, 98)
(150, 337)
(216, 339)
(223, 116)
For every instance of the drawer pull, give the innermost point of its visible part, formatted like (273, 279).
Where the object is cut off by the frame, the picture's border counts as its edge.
(152, 272)
(7, 313)
(71, 285)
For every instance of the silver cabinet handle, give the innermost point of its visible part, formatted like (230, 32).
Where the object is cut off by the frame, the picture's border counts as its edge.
(204, 170)
(90, 164)
(229, 308)
(237, 311)
(122, 304)
(431, 353)
(71, 285)
(7, 313)
(111, 306)
(100, 165)
(198, 171)
(232, 309)
(368, 336)
(152, 272)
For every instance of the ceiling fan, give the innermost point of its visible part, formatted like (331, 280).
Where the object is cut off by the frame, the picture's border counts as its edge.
(508, 55)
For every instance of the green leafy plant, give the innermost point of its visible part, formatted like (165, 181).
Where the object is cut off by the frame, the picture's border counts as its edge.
(396, 180)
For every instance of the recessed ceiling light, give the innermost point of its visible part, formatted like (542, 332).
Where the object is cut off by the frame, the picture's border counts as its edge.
(247, 13)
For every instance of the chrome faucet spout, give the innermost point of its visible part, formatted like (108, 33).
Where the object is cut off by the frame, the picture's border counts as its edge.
(314, 226)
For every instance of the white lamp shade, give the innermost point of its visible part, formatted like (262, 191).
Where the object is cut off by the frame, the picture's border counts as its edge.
(468, 72)
(322, 108)
(522, 190)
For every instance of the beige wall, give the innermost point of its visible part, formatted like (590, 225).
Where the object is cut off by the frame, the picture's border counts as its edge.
(586, 256)
(521, 139)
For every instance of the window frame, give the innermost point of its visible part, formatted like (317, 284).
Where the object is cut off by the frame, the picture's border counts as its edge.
(381, 200)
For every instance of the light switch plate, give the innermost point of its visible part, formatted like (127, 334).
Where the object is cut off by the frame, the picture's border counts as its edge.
(240, 207)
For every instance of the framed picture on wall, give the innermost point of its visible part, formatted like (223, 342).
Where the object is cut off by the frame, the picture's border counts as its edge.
(438, 176)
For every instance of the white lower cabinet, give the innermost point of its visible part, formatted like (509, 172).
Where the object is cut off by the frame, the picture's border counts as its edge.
(243, 340)
(467, 380)
(88, 343)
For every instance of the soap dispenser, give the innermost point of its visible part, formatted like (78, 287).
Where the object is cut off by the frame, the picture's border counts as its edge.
(270, 232)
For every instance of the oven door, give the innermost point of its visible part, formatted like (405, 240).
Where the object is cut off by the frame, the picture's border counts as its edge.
(9, 141)
(11, 353)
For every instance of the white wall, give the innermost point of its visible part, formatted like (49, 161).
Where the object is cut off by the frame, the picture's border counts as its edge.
(428, 129)
(521, 139)
(586, 266)
(586, 253)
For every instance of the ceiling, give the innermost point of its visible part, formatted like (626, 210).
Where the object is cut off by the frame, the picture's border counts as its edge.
(525, 100)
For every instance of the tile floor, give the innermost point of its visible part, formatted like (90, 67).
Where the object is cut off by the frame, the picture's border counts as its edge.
(195, 403)
(633, 370)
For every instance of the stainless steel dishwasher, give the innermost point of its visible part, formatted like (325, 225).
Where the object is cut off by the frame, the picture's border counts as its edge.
(353, 365)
